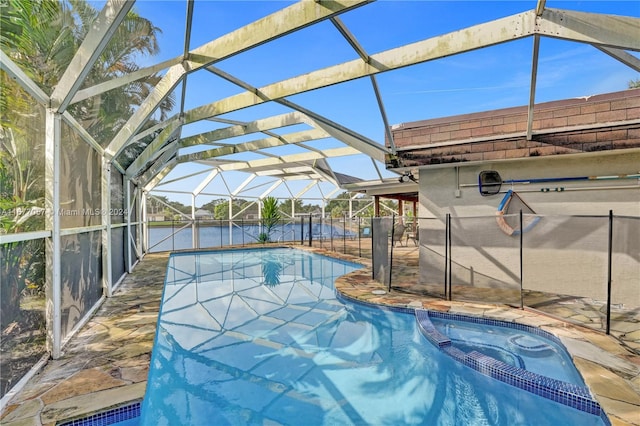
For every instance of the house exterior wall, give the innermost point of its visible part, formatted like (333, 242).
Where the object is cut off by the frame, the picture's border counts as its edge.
(438, 186)
(566, 252)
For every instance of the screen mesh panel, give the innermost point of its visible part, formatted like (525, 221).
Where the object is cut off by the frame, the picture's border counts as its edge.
(565, 265)
(132, 242)
(81, 276)
(484, 261)
(80, 182)
(117, 253)
(625, 281)
(22, 309)
(567, 255)
(22, 153)
(133, 208)
(381, 231)
(432, 256)
(117, 197)
(625, 288)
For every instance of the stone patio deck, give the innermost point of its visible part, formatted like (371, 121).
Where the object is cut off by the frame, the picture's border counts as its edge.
(106, 364)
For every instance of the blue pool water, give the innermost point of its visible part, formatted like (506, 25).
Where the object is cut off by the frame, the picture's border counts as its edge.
(258, 337)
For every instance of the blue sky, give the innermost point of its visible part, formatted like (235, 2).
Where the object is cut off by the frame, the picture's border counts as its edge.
(491, 78)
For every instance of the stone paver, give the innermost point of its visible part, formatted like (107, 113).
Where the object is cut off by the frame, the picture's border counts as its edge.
(107, 362)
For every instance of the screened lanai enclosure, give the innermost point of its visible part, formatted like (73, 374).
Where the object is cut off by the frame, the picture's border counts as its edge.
(119, 117)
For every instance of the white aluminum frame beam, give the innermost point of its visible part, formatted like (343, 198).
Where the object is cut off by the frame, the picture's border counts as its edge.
(288, 139)
(532, 86)
(620, 32)
(187, 42)
(127, 233)
(259, 185)
(266, 163)
(144, 224)
(168, 206)
(105, 86)
(262, 125)
(16, 73)
(278, 24)
(23, 236)
(374, 83)
(194, 228)
(160, 163)
(622, 56)
(82, 132)
(107, 278)
(101, 31)
(206, 181)
(377, 169)
(151, 181)
(472, 38)
(243, 185)
(271, 189)
(149, 155)
(52, 223)
(247, 207)
(305, 189)
(178, 179)
(165, 86)
(187, 32)
(339, 132)
(322, 167)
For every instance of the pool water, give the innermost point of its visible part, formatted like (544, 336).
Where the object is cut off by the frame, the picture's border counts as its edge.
(258, 337)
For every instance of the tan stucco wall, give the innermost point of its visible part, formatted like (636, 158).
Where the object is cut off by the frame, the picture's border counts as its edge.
(438, 186)
(564, 254)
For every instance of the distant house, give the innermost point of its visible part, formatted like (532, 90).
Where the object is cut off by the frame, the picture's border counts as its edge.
(203, 214)
(155, 217)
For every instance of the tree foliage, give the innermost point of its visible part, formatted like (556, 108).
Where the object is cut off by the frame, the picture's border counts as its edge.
(42, 37)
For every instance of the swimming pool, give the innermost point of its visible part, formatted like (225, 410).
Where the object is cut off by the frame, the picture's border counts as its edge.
(258, 336)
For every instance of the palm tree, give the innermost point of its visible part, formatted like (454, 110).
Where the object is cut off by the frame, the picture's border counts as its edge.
(270, 218)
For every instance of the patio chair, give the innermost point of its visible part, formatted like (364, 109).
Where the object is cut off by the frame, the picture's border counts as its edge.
(413, 235)
(398, 233)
